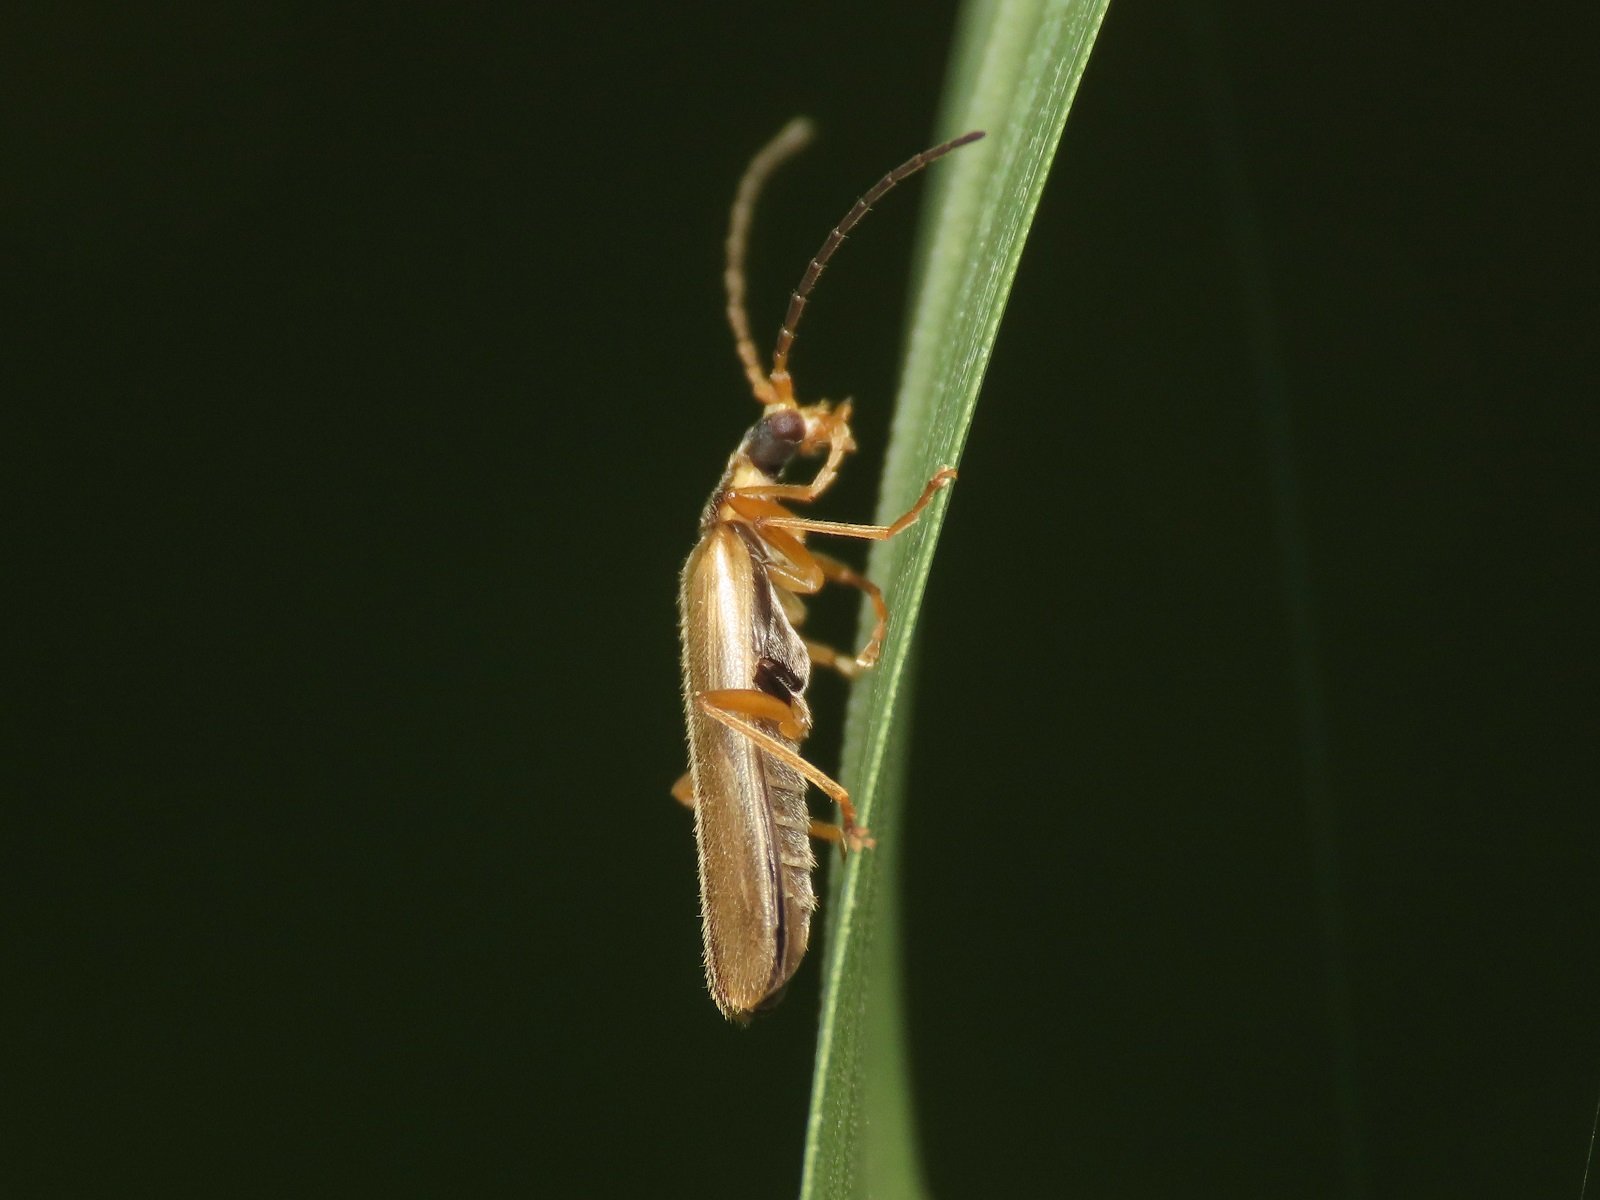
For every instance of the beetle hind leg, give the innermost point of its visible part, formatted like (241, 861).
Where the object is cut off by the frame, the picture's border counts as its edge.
(736, 707)
(852, 840)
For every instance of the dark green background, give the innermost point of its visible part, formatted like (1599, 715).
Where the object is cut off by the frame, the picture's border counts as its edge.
(365, 373)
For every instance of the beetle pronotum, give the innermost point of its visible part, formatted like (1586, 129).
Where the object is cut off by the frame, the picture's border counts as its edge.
(745, 666)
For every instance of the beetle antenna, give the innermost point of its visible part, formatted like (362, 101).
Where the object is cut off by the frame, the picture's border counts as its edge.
(781, 385)
(790, 140)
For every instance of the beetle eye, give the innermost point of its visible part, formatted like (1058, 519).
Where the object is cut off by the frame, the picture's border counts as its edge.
(774, 439)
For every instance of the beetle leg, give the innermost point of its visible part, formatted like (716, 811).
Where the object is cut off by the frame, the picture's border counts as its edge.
(875, 533)
(840, 573)
(805, 571)
(683, 793)
(856, 839)
(754, 507)
(792, 722)
(837, 660)
(795, 569)
(683, 790)
(716, 704)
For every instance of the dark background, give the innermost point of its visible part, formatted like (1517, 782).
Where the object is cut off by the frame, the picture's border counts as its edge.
(365, 373)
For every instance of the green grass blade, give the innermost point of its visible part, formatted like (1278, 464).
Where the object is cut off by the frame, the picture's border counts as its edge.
(1014, 71)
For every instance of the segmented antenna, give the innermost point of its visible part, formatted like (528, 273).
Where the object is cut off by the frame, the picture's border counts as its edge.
(781, 387)
(791, 139)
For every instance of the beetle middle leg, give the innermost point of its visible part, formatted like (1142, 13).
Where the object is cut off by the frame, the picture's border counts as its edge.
(802, 569)
(799, 569)
(730, 706)
(838, 572)
(823, 655)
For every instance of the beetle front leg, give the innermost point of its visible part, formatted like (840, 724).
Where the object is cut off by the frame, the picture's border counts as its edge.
(825, 428)
(871, 533)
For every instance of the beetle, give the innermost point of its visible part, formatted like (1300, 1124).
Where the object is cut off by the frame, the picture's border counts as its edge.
(745, 664)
